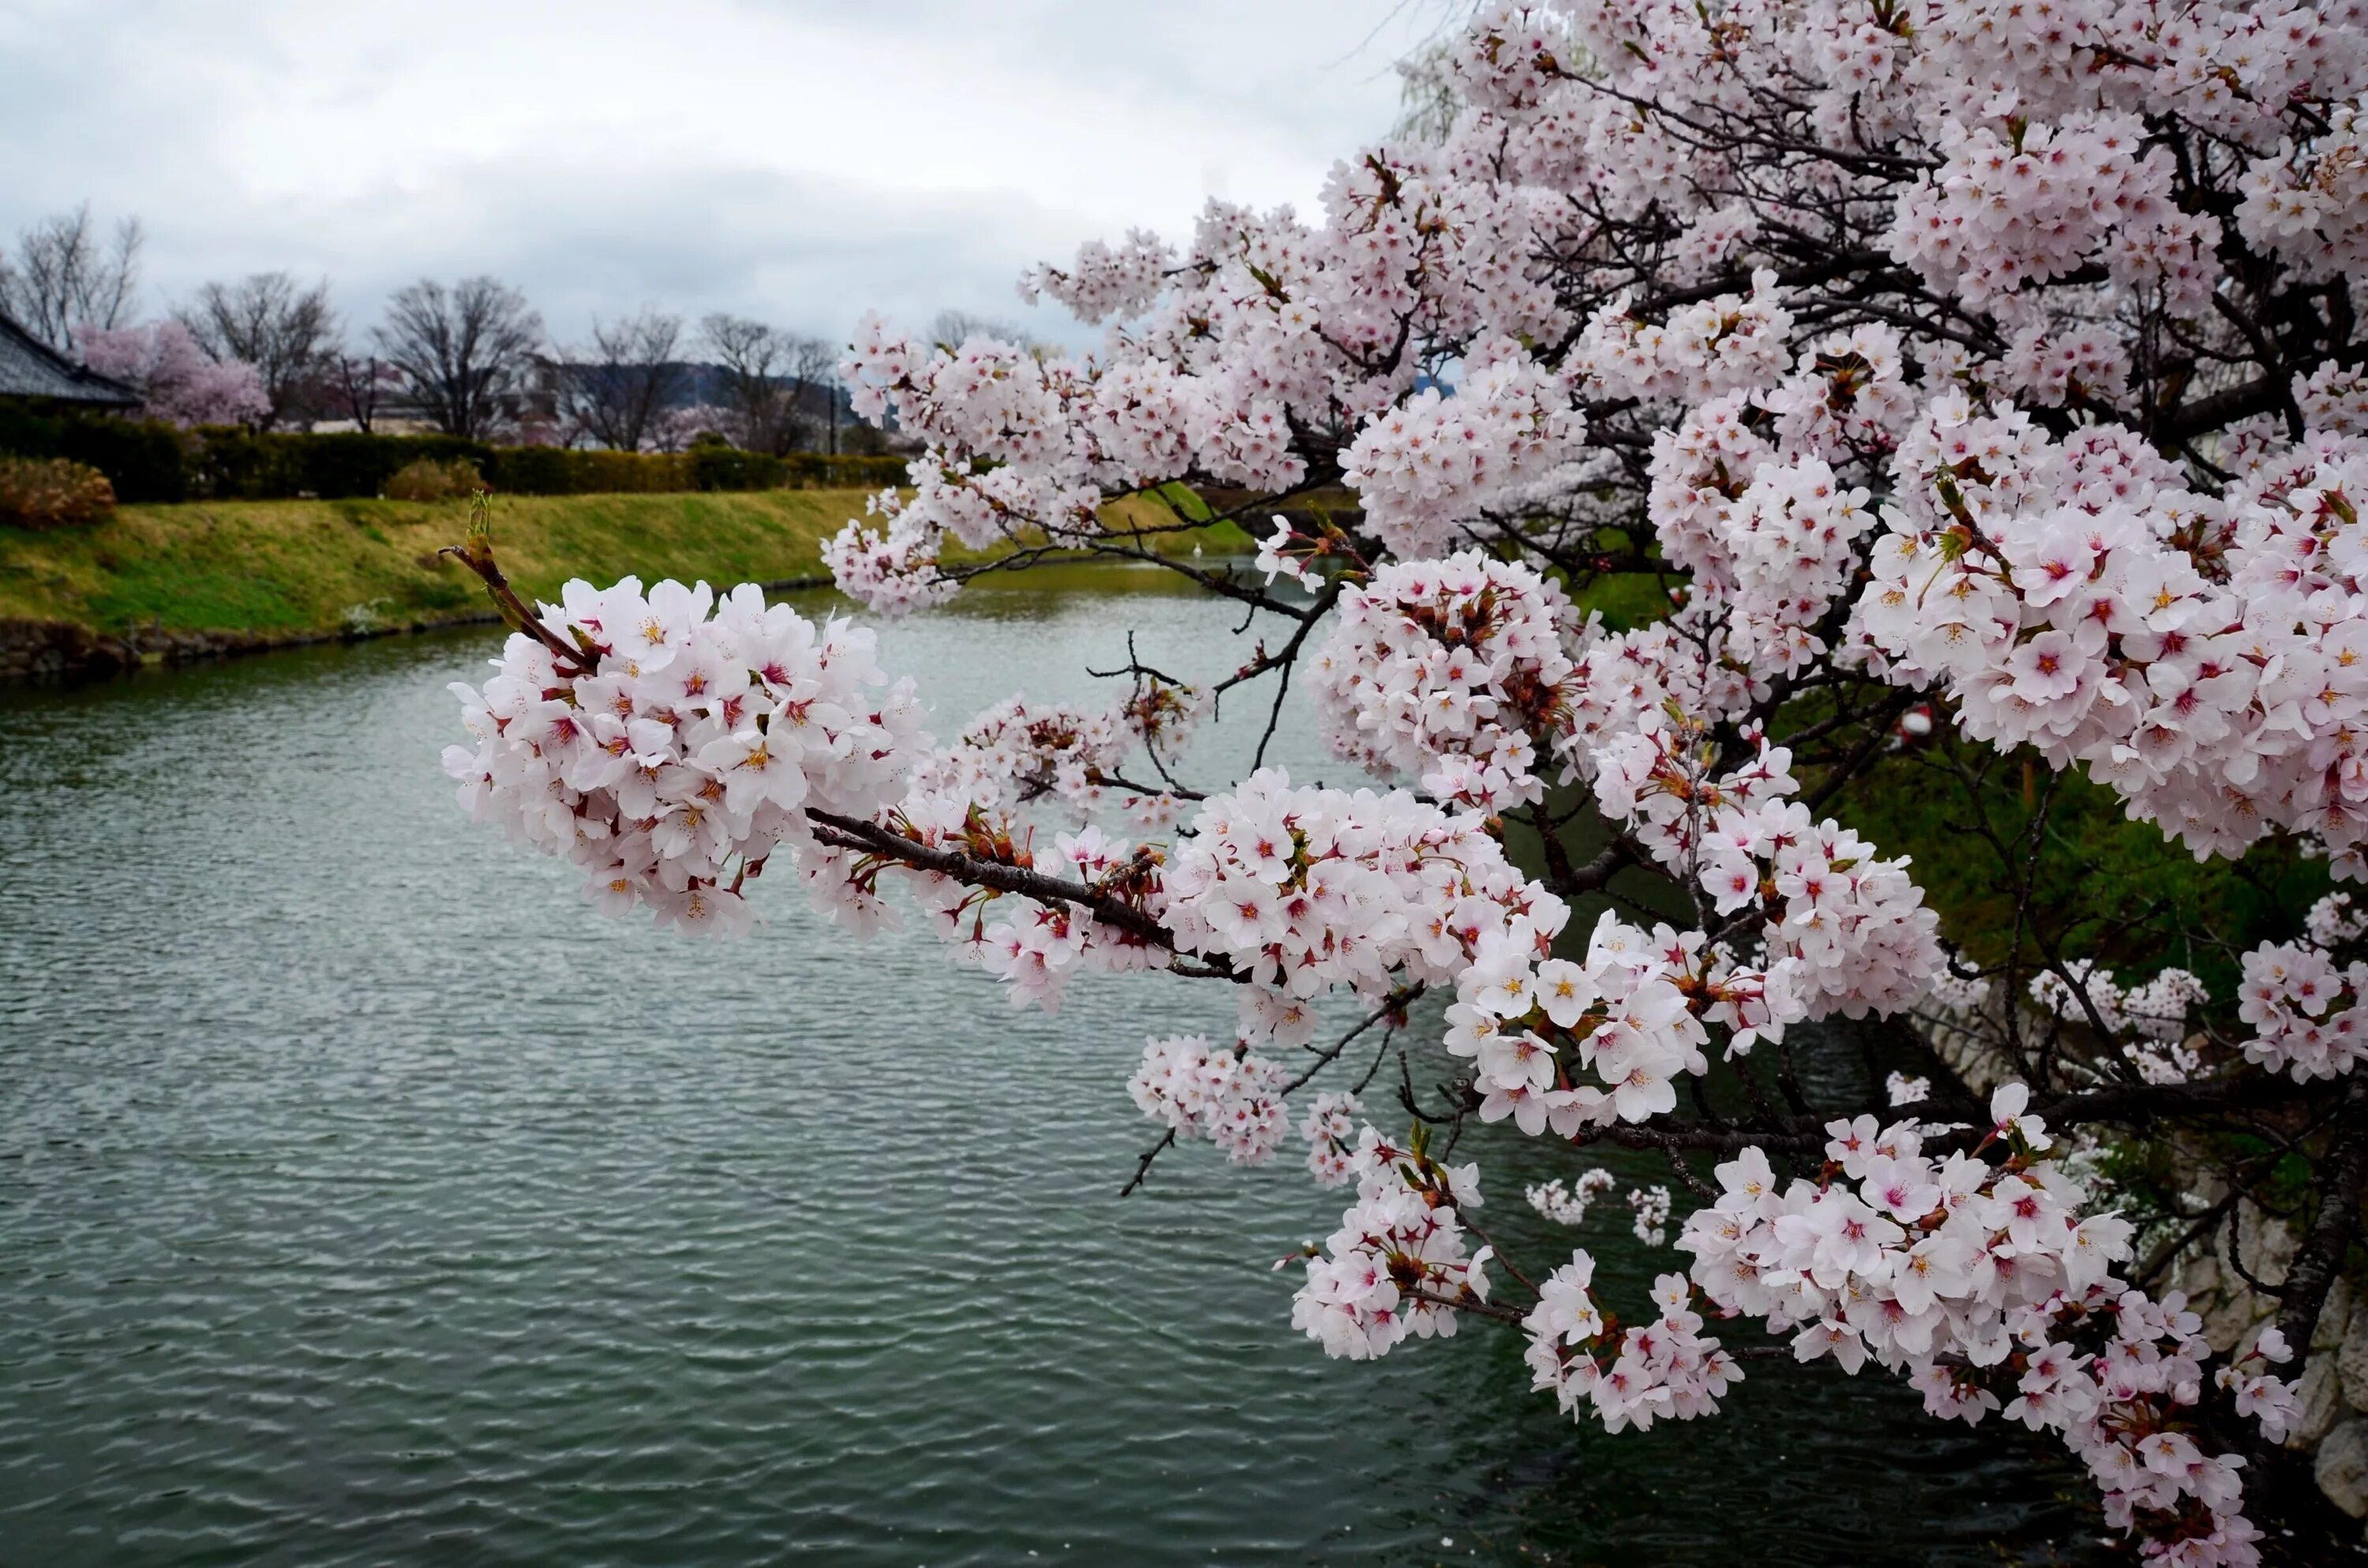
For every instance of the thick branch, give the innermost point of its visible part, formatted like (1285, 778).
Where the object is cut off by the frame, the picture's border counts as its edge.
(853, 833)
(2321, 1258)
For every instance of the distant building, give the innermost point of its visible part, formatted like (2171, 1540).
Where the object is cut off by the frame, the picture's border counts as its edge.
(32, 371)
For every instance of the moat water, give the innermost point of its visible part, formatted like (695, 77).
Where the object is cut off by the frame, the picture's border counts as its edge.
(365, 1198)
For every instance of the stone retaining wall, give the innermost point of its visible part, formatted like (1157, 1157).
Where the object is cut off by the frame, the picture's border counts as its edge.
(32, 648)
(61, 647)
(2333, 1431)
(2332, 1436)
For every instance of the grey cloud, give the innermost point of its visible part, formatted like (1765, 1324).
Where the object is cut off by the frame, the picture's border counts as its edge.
(122, 103)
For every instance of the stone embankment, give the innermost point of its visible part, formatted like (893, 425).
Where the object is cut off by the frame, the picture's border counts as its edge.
(34, 649)
(2333, 1432)
(2218, 1275)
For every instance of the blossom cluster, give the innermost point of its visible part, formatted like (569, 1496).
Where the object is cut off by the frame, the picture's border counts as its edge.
(1975, 1276)
(1533, 1027)
(1034, 946)
(891, 570)
(1331, 1133)
(1229, 1096)
(1451, 671)
(2219, 702)
(1568, 1205)
(2335, 919)
(1665, 1370)
(1844, 929)
(1623, 681)
(2148, 1020)
(1435, 460)
(2308, 1010)
(1790, 541)
(1017, 752)
(2310, 203)
(1106, 282)
(2036, 203)
(1305, 889)
(1725, 344)
(1749, 493)
(1397, 1265)
(1652, 1209)
(681, 743)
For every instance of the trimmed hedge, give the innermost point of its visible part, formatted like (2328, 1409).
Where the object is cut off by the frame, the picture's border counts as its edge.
(231, 464)
(840, 471)
(143, 461)
(149, 461)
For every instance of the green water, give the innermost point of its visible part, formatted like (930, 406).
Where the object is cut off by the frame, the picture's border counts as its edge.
(365, 1197)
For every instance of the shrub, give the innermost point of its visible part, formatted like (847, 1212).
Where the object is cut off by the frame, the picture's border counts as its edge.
(427, 479)
(54, 493)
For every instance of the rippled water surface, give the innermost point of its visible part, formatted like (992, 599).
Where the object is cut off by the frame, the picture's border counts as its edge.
(364, 1198)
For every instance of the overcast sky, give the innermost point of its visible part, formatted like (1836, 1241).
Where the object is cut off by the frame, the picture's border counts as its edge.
(800, 160)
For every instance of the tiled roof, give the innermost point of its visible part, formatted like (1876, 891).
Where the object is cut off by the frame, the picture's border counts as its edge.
(29, 368)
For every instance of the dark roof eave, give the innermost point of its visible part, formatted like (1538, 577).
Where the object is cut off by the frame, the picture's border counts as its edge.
(30, 369)
(106, 396)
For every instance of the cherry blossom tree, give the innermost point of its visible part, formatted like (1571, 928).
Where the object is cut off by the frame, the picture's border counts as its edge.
(177, 379)
(1972, 390)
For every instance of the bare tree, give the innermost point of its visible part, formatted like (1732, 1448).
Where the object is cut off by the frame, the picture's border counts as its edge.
(629, 376)
(813, 362)
(813, 382)
(770, 377)
(462, 352)
(751, 356)
(353, 385)
(267, 319)
(65, 277)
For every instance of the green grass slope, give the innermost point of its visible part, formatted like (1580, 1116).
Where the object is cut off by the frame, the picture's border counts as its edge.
(296, 568)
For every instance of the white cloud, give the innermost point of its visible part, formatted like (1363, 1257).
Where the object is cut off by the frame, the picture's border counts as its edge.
(798, 159)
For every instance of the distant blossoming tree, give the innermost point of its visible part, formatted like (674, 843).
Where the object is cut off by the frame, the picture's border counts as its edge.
(678, 428)
(177, 382)
(1975, 386)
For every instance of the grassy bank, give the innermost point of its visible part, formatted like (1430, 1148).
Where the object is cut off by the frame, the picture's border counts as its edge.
(297, 568)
